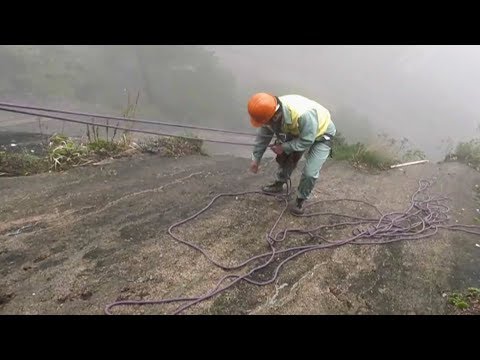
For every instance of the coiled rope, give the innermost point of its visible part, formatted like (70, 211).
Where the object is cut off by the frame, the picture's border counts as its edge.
(423, 218)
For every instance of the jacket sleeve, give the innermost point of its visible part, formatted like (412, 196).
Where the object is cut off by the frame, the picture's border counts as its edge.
(308, 126)
(264, 136)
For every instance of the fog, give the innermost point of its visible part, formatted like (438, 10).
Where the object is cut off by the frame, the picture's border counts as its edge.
(426, 94)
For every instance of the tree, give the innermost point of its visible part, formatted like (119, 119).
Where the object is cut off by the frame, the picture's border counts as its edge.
(187, 83)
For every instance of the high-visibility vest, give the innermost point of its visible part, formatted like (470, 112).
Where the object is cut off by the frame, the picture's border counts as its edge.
(296, 106)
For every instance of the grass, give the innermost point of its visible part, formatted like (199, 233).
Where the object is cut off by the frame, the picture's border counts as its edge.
(379, 154)
(467, 153)
(476, 190)
(105, 147)
(467, 301)
(172, 146)
(21, 164)
(63, 152)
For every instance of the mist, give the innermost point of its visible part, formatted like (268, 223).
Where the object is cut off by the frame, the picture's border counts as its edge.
(426, 94)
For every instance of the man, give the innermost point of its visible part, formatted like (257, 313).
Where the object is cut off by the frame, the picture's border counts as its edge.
(301, 126)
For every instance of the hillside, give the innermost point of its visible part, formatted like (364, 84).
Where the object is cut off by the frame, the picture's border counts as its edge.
(73, 242)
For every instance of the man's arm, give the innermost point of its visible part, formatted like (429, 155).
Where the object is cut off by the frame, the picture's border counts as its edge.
(264, 136)
(308, 126)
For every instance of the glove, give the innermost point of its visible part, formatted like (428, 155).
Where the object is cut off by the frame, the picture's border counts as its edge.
(254, 166)
(277, 149)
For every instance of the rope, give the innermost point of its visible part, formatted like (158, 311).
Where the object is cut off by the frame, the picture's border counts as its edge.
(422, 219)
(123, 128)
(142, 121)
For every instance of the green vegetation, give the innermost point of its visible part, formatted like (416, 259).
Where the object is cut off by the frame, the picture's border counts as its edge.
(467, 153)
(62, 153)
(21, 164)
(466, 301)
(379, 153)
(172, 146)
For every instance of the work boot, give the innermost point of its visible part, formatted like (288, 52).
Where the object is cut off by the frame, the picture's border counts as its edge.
(276, 187)
(296, 208)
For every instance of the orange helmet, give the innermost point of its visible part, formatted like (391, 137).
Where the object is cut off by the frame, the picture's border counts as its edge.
(261, 108)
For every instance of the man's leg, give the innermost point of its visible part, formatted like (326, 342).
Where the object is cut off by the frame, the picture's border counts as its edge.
(315, 158)
(286, 165)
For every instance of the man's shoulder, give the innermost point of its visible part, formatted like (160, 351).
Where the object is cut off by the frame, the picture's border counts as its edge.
(290, 97)
(300, 100)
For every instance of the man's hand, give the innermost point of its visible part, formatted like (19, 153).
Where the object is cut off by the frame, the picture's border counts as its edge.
(277, 149)
(254, 166)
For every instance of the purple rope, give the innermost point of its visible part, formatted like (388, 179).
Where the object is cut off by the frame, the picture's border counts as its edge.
(422, 219)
